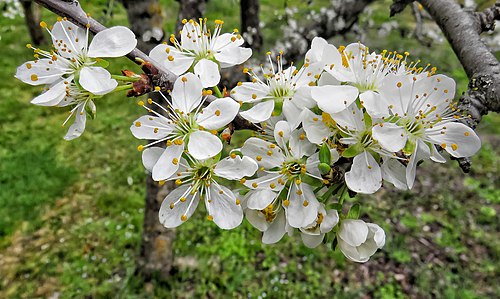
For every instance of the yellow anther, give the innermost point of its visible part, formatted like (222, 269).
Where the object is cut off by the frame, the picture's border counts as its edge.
(299, 192)
(184, 21)
(238, 201)
(272, 185)
(178, 182)
(443, 145)
(305, 203)
(161, 183)
(28, 46)
(268, 53)
(169, 142)
(399, 84)
(219, 22)
(239, 84)
(184, 217)
(140, 148)
(466, 133)
(140, 103)
(254, 96)
(137, 123)
(269, 153)
(454, 146)
(175, 161)
(150, 101)
(210, 218)
(178, 142)
(43, 24)
(281, 134)
(255, 185)
(217, 112)
(233, 155)
(172, 205)
(34, 77)
(243, 180)
(258, 158)
(233, 39)
(298, 181)
(302, 136)
(157, 88)
(245, 71)
(286, 202)
(184, 79)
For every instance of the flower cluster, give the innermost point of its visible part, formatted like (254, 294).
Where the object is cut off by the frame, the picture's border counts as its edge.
(72, 73)
(343, 123)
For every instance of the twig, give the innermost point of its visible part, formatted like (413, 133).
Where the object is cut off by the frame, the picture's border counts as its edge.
(488, 17)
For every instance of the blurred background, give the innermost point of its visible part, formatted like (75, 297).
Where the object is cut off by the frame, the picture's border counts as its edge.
(71, 213)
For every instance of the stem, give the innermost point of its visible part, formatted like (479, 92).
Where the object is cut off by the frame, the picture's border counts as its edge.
(125, 78)
(217, 92)
(122, 87)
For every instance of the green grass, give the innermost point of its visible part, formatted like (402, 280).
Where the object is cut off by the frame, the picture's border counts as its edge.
(71, 212)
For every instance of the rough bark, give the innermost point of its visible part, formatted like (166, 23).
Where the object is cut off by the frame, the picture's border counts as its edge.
(146, 22)
(32, 18)
(250, 23)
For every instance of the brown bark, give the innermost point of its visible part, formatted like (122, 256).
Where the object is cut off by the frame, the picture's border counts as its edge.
(32, 18)
(250, 23)
(146, 21)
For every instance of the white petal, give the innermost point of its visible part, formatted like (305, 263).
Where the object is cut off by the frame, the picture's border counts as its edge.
(173, 209)
(458, 139)
(395, 173)
(351, 252)
(260, 199)
(365, 175)
(53, 96)
(237, 168)
(329, 221)
(223, 206)
(312, 241)
(112, 42)
(436, 156)
(187, 91)
(316, 130)
(390, 136)
(291, 111)
(265, 153)
(208, 71)
(327, 79)
(150, 157)
(42, 71)
(257, 219)
(249, 92)
(203, 145)
(68, 38)
(276, 230)
(227, 40)
(354, 232)
(333, 99)
(302, 209)
(168, 163)
(218, 114)
(259, 113)
(421, 152)
(375, 104)
(269, 181)
(282, 133)
(190, 36)
(151, 127)
(315, 54)
(173, 60)
(97, 80)
(299, 145)
(378, 234)
(77, 128)
(230, 56)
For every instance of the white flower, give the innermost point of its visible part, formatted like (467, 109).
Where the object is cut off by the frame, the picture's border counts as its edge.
(358, 240)
(288, 89)
(185, 122)
(202, 51)
(199, 182)
(313, 234)
(72, 57)
(280, 183)
(418, 115)
(271, 222)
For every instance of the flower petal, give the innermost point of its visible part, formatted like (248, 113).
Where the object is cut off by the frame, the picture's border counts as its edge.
(42, 71)
(236, 168)
(353, 231)
(174, 211)
(395, 173)
(302, 208)
(77, 128)
(259, 113)
(208, 71)
(218, 114)
(265, 153)
(316, 130)
(150, 157)
(260, 199)
(68, 39)
(249, 92)
(53, 96)
(168, 163)
(276, 230)
(186, 94)
(456, 138)
(230, 56)
(151, 127)
(390, 136)
(299, 145)
(172, 59)
(365, 175)
(333, 99)
(203, 145)
(375, 104)
(257, 219)
(312, 241)
(112, 42)
(223, 206)
(97, 80)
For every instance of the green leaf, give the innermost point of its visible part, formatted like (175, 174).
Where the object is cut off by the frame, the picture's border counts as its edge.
(101, 62)
(324, 155)
(354, 211)
(353, 151)
(324, 168)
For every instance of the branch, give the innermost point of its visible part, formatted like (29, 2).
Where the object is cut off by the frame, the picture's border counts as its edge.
(488, 17)
(159, 75)
(398, 6)
(462, 29)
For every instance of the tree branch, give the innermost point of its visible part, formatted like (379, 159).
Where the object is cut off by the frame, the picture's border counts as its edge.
(159, 75)
(488, 17)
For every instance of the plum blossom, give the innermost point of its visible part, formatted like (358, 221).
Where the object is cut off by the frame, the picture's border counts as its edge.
(286, 89)
(185, 122)
(359, 240)
(197, 181)
(313, 234)
(73, 57)
(202, 51)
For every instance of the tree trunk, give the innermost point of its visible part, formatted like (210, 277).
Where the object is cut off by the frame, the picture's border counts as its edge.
(32, 17)
(250, 29)
(189, 9)
(156, 254)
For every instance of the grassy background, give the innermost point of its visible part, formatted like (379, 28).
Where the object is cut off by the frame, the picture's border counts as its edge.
(71, 212)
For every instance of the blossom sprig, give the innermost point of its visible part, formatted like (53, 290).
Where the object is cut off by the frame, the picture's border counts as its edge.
(72, 72)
